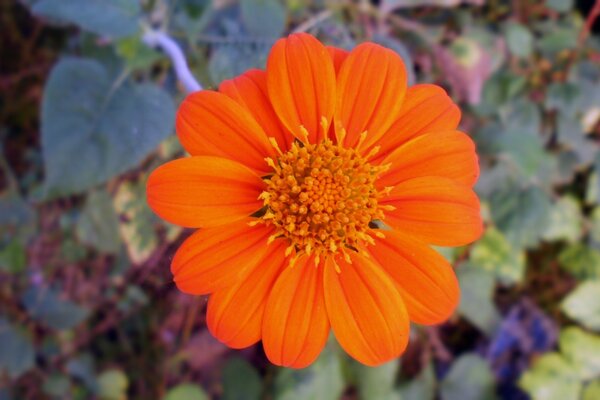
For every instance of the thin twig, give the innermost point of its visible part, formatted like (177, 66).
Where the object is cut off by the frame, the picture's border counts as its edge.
(313, 21)
(589, 22)
(171, 48)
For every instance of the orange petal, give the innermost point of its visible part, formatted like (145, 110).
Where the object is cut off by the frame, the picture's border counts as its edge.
(211, 123)
(301, 84)
(436, 210)
(424, 278)
(216, 258)
(235, 314)
(295, 325)
(446, 154)
(366, 311)
(370, 88)
(203, 191)
(426, 108)
(338, 56)
(250, 91)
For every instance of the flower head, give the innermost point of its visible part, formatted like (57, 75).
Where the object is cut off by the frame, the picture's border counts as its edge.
(319, 186)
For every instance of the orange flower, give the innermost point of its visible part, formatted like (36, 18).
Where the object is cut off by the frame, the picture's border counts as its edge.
(319, 185)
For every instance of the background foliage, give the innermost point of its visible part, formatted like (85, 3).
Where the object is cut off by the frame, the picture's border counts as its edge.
(87, 307)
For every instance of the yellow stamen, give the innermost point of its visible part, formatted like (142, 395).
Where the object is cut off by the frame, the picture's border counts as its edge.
(321, 198)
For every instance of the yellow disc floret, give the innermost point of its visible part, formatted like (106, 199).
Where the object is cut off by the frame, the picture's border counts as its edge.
(322, 198)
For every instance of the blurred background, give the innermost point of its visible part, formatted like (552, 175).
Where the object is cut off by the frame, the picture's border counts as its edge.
(88, 309)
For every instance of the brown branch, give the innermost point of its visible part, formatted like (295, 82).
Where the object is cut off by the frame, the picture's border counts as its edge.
(589, 22)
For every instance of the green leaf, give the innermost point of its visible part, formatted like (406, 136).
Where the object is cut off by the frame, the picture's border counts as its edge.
(98, 225)
(564, 97)
(186, 391)
(495, 254)
(137, 55)
(518, 39)
(581, 261)
(469, 378)
(240, 381)
(112, 385)
(17, 218)
(551, 378)
(592, 391)
(570, 133)
(13, 257)
(557, 40)
(522, 215)
(112, 18)
(82, 368)
(57, 385)
(227, 61)
(137, 226)
(595, 225)
(420, 388)
(476, 303)
(583, 351)
(94, 129)
(583, 304)
(17, 355)
(376, 382)
(521, 116)
(46, 306)
(560, 5)
(320, 381)
(566, 220)
(263, 18)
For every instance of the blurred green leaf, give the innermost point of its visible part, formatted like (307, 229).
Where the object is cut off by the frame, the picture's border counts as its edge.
(46, 306)
(560, 5)
(376, 382)
(581, 261)
(551, 378)
(17, 218)
(94, 129)
(570, 133)
(592, 391)
(240, 381)
(583, 304)
(137, 226)
(320, 381)
(495, 254)
(17, 355)
(98, 224)
(256, 13)
(186, 391)
(230, 60)
(583, 350)
(518, 39)
(563, 97)
(57, 385)
(82, 368)
(420, 388)
(476, 303)
(469, 378)
(522, 215)
(112, 385)
(112, 18)
(557, 40)
(595, 225)
(566, 220)
(521, 116)
(13, 257)
(137, 55)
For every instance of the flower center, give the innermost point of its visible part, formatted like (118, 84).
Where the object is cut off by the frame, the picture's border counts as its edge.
(322, 198)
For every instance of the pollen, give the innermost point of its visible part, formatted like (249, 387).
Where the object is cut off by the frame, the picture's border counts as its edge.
(322, 198)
